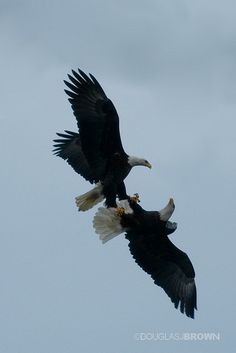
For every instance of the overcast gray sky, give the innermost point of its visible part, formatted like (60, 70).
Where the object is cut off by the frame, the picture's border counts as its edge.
(170, 69)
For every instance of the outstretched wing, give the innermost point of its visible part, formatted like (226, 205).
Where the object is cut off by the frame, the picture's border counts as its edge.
(69, 148)
(97, 119)
(169, 267)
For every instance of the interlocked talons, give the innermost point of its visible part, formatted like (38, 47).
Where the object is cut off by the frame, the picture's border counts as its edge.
(120, 211)
(135, 198)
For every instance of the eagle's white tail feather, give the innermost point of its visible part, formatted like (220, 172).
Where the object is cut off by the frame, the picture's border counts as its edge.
(91, 198)
(106, 221)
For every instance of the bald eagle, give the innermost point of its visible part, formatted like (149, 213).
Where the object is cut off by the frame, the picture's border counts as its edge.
(147, 233)
(96, 153)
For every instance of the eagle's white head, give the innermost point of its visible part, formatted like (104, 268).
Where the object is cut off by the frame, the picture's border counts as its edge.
(136, 161)
(167, 211)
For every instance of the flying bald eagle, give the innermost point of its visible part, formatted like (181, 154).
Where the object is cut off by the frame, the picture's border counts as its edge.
(147, 233)
(96, 153)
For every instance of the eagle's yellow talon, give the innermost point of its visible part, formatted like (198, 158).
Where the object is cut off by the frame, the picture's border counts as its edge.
(135, 198)
(120, 211)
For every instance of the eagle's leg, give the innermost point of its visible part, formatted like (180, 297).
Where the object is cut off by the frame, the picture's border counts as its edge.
(122, 195)
(121, 191)
(109, 191)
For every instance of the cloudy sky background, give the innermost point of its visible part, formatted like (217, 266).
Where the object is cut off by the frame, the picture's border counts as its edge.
(170, 69)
